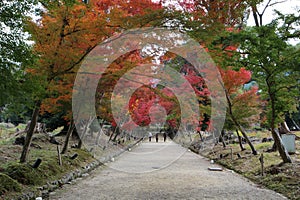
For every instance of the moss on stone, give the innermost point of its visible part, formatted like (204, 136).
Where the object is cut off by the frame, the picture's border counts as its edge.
(8, 184)
(24, 174)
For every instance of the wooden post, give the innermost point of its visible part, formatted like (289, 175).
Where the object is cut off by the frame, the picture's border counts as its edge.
(74, 156)
(261, 159)
(37, 163)
(59, 155)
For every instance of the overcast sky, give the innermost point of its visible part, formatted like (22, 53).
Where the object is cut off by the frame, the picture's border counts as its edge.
(287, 7)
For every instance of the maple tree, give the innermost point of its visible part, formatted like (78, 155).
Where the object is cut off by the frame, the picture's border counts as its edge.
(275, 75)
(74, 27)
(264, 50)
(199, 15)
(243, 106)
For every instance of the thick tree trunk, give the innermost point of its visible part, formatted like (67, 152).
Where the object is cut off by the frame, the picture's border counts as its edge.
(30, 132)
(240, 141)
(69, 133)
(280, 147)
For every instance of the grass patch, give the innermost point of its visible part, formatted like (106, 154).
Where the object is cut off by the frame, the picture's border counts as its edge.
(8, 184)
(49, 168)
(24, 174)
(27, 177)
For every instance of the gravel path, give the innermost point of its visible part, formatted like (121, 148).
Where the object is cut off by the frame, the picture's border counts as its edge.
(162, 171)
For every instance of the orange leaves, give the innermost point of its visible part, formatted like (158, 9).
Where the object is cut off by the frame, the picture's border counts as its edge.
(245, 105)
(234, 80)
(60, 93)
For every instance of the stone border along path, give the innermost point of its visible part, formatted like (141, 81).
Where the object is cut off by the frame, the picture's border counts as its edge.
(186, 177)
(45, 190)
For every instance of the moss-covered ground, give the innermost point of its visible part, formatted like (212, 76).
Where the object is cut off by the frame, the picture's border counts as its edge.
(17, 178)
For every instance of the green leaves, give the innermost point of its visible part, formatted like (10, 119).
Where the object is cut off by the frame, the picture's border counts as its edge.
(14, 52)
(274, 64)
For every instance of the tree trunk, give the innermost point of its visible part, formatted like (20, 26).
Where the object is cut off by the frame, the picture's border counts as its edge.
(30, 132)
(280, 147)
(199, 132)
(85, 130)
(284, 129)
(117, 133)
(295, 124)
(275, 134)
(254, 152)
(69, 133)
(237, 124)
(222, 138)
(112, 133)
(240, 141)
(79, 145)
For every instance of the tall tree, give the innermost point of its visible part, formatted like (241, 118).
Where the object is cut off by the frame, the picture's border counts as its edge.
(274, 64)
(15, 52)
(69, 30)
(243, 106)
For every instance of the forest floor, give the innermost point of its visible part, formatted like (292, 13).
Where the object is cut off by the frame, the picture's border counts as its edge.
(18, 178)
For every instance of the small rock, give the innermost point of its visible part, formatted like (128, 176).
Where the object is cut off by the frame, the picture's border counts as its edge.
(52, 193)
(215, 169)
(85, 175)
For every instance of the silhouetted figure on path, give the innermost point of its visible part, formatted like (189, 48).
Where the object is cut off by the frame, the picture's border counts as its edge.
(150, 136)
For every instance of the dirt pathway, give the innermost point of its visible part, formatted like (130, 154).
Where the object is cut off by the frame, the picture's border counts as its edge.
(162, 171)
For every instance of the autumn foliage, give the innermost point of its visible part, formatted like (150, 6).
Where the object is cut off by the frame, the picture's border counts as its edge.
(67, 33)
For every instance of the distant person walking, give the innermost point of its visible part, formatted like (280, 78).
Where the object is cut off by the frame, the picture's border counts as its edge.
(165, 136)
(156, 137)
(150, 136)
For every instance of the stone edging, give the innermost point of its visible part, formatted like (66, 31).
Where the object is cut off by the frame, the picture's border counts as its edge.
(43, 191)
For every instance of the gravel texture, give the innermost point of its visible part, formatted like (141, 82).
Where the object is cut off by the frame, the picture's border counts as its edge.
(162, 171)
